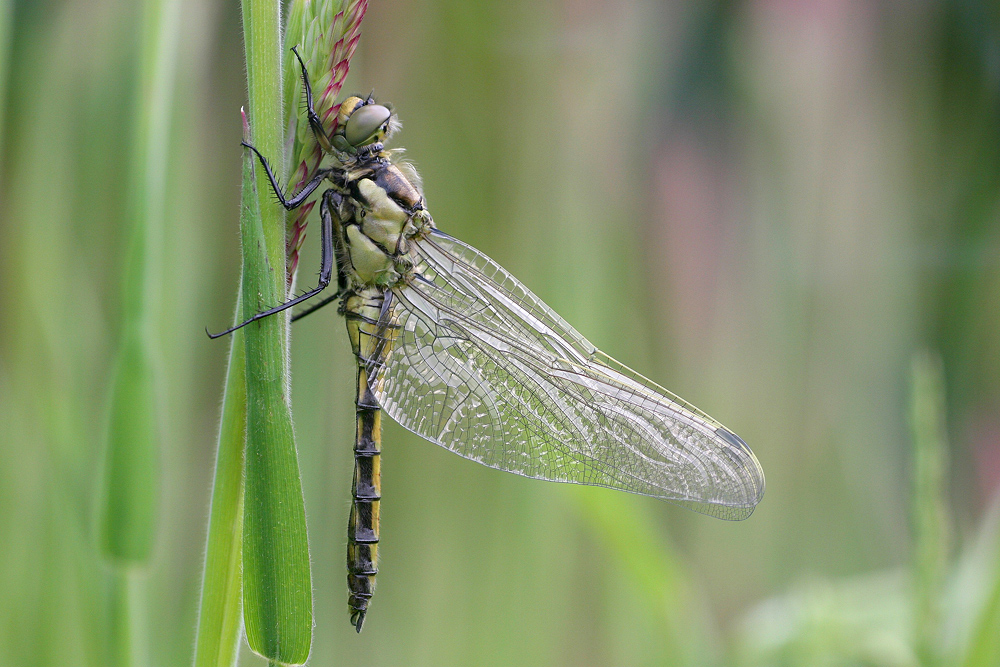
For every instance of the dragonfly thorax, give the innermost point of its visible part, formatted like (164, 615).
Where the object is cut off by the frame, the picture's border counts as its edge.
(385, 217)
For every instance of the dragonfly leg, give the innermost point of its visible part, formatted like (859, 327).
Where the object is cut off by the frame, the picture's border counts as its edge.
(316, 306)
(314, 122)
(325, 276)
(332, 210)
(303, 194)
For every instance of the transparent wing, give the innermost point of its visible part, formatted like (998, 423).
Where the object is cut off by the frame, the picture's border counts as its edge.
(482, 367)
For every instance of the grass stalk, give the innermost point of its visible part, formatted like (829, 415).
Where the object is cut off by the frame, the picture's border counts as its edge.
(261, 36)
(277, 587)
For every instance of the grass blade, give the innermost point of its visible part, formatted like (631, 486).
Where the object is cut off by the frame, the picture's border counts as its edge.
(984, 650)
(277, 589)
(220, 616)
(972, 613)
(277, 585)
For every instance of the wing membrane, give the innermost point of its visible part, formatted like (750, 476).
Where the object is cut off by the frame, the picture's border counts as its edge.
(484, 368)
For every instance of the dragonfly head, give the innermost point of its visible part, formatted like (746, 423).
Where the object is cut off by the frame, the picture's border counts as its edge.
(363, 124)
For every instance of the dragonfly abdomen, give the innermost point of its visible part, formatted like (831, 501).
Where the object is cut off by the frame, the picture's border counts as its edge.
(363, 525)
(371, 336)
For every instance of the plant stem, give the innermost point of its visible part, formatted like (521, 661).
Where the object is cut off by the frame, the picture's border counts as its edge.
(261, 35)
(277, 586)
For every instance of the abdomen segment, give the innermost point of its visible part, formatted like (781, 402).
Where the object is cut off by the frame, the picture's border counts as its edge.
(372, 335)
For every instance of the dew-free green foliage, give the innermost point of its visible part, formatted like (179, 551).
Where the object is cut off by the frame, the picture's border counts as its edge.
(765, 211)
(984, 647)
(220, 617)
(898, 616)
(277, 583)
(277, 588)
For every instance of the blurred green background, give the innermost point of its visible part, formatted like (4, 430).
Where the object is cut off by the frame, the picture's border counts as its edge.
(768, 207)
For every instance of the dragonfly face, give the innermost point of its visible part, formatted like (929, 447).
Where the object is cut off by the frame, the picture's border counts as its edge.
(457, 350)
(361, 123)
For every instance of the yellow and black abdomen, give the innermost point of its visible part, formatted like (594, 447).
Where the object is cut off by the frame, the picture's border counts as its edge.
(372, 334)
(388, 214)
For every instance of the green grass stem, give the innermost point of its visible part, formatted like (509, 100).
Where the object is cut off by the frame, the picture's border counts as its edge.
(128, 631)
(261, 35)
(277, 585)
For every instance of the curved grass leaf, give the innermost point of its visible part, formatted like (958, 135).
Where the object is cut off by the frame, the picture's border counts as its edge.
(220, 617)
(277, 586)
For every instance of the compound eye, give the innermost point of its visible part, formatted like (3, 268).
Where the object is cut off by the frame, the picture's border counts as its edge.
(365, 123)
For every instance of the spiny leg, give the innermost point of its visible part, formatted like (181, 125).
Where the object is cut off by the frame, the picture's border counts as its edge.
(316, 306)
(303, 194)
(314, 122)
(333, 209)
(325, 269)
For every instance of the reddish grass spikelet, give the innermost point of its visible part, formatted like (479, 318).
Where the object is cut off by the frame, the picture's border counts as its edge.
(297, 236)
(326, 33)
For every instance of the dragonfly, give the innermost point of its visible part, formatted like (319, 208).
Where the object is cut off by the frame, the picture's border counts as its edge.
(457, 350)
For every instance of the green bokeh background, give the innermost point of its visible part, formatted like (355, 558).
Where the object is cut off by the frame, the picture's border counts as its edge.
(767, 207)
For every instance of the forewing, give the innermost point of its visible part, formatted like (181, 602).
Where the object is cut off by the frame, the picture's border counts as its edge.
(482, 367)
